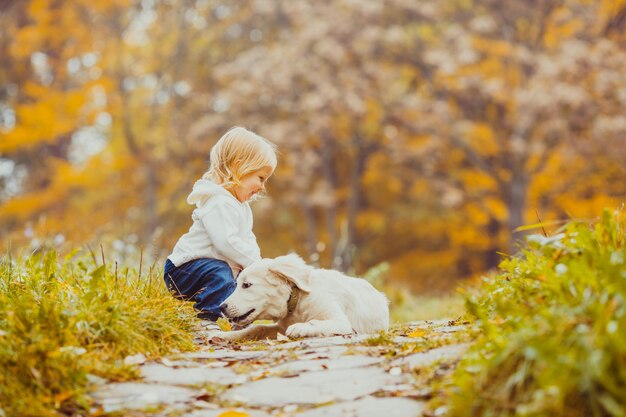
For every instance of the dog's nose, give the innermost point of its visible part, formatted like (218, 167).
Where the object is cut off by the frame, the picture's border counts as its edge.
(223, 308)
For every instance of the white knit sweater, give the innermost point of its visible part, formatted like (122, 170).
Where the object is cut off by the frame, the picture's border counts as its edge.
(221, 229)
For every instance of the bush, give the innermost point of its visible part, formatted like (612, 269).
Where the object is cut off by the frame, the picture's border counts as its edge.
(553, 325)
(61, 322)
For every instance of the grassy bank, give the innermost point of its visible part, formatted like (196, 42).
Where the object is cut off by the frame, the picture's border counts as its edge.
(64, 321)
(553, 323)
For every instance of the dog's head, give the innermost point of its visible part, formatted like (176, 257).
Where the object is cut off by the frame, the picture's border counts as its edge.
(263, 289)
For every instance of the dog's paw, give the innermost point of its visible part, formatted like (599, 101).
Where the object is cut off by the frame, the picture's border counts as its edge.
(302, 330)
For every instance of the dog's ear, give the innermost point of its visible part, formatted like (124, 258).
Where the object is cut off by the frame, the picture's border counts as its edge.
(293, 269)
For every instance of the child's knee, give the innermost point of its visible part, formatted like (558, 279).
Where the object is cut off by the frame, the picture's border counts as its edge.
(225, 276)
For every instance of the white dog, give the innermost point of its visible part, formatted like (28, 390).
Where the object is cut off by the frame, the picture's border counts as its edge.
(303, 301)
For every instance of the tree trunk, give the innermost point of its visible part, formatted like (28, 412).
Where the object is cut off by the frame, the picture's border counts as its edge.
(516, 206)
(311, 228)
(331, 210)
(492, 259)
(354, 204)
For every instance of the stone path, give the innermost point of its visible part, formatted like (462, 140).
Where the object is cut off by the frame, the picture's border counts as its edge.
(360, 376)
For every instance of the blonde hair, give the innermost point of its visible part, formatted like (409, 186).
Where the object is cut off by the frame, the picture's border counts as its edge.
(238, 153)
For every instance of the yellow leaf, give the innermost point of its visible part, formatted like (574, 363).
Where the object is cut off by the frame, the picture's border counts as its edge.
(418, 333)
(62, 396)
(233, 413)
(224, 324)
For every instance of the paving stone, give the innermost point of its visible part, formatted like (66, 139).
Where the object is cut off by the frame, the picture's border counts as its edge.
(190, 376)
(430, 357)
(401, 340)
(431, 323)
(134, 395)
(324, 341)
(431, 334)
(369, 407)
(316, 364)
(452, 329)
(219, 411)
(312, 387)
(334, 375)
(190, 363)
(319, 353)
(439, 326)
(224, 354)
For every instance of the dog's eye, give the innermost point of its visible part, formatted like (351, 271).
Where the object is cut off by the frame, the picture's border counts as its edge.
(246, 285)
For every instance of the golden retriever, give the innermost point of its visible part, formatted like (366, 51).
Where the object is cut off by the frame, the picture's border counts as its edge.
(302, 301)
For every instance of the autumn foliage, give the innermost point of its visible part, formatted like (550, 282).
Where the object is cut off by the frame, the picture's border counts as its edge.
(421, 134)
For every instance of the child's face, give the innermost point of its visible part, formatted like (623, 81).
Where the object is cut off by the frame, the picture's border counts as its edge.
(251, 184)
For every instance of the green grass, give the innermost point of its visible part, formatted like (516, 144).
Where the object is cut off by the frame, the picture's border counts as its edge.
(61, 321)
(553, 325)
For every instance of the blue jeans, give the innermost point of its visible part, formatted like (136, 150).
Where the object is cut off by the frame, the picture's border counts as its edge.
(206, 281)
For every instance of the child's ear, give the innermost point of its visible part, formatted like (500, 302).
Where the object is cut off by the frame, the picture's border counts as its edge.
(293, 269)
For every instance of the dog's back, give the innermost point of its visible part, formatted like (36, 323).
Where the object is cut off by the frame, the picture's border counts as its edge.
(367, 309)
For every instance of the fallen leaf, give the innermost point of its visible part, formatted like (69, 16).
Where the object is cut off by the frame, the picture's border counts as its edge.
(260, 376)
(216, 340)
(62, 396)
(418, 333)
(204, 397)
(233, 413)
(224, 324)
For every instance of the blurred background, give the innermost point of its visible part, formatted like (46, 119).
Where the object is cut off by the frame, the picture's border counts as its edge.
(414, 136)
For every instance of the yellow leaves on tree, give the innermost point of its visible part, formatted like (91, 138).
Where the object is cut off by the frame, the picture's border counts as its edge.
(47, 117)
(374, 221)
(48, 29)
(492, 47)
(477, 180)
(564, 25)
(481, 137)
(377, 179)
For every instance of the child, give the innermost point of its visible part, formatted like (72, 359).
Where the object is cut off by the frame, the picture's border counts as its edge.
(220, 243)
